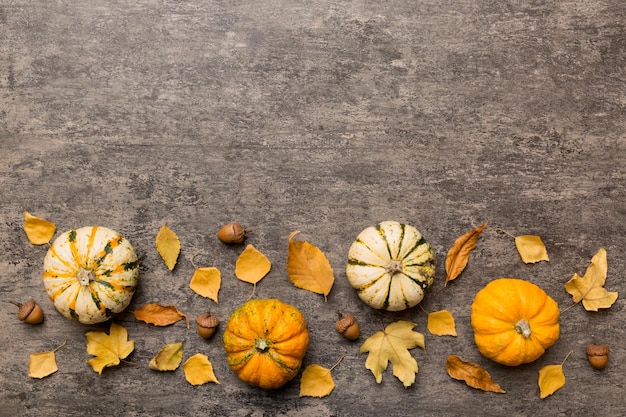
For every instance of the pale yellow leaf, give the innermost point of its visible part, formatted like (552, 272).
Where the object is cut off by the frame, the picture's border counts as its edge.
(392, 345)
(42, 364)
(159, 315)
(308, 268)
(39, 231)
(473, 374)
(458, 254)
(108, 349)
(252, 265)
(168, 245)
(168, 359)
(199, 370)
(551, 379)
(441, 323)
(590, 287)
(316, 382)
(206, 282)
(531, 249)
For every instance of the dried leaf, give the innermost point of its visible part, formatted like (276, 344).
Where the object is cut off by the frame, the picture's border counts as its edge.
(308, 268)
(458, 255)
(393, 344)
(168, 245)
(590, 287)
(159, 315)
(531, 249)
(199, 370)
(206, 282)
(473, 374)
(168, 358)
(441, 323)
(108, 349)
(39, 231)
(316, 382)
(551, 379)
(252, 265)
(42, 364)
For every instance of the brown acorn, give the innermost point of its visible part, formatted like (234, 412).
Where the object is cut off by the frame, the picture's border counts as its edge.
(232, 233)
(29, 312)
(206, 324)
(598, 355)
(347, 326)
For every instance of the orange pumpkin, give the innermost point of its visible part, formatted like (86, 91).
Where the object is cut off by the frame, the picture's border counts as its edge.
(514, 321)
(265, 342)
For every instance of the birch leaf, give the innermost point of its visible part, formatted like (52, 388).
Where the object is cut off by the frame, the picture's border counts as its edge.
(42, 364)
(441, 323)
(474, 375)
(551, 379)
(590, 287)
(531, 249)
(206, 282)
(168, 245)
(159, 315)
(458, 254)
(308, 268)
(108, 349)
(199, 370)
(316, 382)
(168, 359)
(252, 265)
(39, 231)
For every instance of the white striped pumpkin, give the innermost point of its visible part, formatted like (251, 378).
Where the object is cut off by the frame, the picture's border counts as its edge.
(390, 265)
(90, 273)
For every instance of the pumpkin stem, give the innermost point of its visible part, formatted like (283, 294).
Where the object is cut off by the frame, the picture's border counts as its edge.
(523, 327)
(85, 276)
(394, 267)
(262, 345)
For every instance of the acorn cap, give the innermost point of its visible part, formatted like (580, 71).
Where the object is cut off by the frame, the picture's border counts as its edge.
(345, 321)
(207, 320)
(597, 350)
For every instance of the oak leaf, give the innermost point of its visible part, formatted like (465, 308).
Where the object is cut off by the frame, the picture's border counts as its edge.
(551, 378)
(458, 254)
(206, 282)
(590, 287)
(159, 315)
(531, 249)
(441, 323)
(474, 375)
(108, 349)
(308, 268)
(42, 364)
(39, 231)
(168, 359)
(252, 265)
(392, 345)
(317, 381)
(199, 370)
(168, 245)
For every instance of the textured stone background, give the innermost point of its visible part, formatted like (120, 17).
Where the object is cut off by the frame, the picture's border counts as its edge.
(324, 117)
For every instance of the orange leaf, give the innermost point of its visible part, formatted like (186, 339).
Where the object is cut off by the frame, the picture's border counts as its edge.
(39, 231)
(308, 268)
(441, 323)
(473, 374)
(159, 315)
(458, 255)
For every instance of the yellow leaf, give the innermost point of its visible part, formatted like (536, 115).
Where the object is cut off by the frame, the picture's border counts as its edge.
(108, 349)
(39, 231)
(441, 323)
(199, 370)
(458, 254)
(308, 267)
(168, 245)
(42, 364)
(531, 249)
(590, 287)
(551, 379)
(393, 344)
(473, 374)
(168, 358)
(252, 265)
(206, 282)
(159, 315)
(316, 382)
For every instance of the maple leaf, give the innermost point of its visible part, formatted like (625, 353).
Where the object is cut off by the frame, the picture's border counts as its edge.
(392, 345)
(206, 282)
(108, 349)
(590, 287)
(159, 315)
(252, 265)
(317, 381)
(39, 231)
(199, 370)
(168, 245)
(42, 364)
(441, 323)
(551, 378)
(474, 375)
(458, 254)
(168, 358)
(308, 268)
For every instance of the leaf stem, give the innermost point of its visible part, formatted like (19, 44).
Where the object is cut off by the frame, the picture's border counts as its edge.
(501, 230)
(60, 346)
(337, 363)
(567, 356)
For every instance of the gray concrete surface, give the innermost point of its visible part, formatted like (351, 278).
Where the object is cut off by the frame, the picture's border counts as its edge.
(324, 117)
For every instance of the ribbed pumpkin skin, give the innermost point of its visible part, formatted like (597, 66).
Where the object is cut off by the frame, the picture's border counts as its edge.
(390, 265)
(265, 342)
(496, 312)
(90, 273)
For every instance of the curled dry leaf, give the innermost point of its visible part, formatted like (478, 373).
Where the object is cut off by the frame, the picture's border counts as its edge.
(252, 265)
(590, 287)
(168, 245)
(39, 231)
(199, 370)
(473, 374)
(42, 364)
(308, 268)
(441, 323)
(168, 358)
(206, 282)
(108, 349)
(159, 315)
(458, 255)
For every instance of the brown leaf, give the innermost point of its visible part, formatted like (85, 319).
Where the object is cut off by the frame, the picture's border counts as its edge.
(308, 268)
(159, 315)
(458, 255)
(473, 374)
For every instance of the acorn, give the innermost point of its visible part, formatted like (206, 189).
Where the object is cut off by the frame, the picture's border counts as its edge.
(598, 355)
(206, 324)
(232, 233)
(347, 326)
(29, 312)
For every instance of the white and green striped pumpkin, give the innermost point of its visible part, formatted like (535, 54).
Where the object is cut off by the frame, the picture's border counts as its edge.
(390, 265)
(90, 273)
